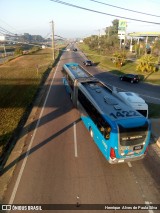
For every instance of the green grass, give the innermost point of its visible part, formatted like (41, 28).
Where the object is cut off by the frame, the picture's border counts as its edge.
(19, 81)
(105, 63)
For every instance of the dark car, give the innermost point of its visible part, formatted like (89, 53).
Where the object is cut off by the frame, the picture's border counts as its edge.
(87, 63)
(75, 49)
(130, 77)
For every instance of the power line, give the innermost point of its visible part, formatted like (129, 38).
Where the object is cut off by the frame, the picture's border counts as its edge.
(103, 13)
(1, 20)
(5, 31)
(60, 37)
(122, 8)
(47, 35)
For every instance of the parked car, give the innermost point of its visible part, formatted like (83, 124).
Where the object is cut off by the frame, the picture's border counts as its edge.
(75, 49)
(87, 63)
(130, 77)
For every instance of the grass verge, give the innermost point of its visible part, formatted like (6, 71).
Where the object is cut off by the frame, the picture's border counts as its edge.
(19, 82)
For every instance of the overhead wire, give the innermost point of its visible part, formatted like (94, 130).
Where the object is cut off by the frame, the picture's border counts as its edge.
(103, 13)
(6, 31)
(122, 8)
(60, 37)
(4, 22)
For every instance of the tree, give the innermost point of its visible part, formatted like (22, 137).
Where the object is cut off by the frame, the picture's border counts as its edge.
(92, 41)
(146, 64)
(105, 43)
(31, 38)
(112, 30)
(119, 58)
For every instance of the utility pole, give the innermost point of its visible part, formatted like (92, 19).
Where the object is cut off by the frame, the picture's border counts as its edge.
(53, 39)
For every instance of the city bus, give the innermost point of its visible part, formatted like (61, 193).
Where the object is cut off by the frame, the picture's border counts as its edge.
(121, 133)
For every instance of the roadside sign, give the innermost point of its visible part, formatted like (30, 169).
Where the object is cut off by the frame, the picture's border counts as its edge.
(122, 29)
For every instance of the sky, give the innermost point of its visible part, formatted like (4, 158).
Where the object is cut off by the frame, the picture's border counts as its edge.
(34, 16)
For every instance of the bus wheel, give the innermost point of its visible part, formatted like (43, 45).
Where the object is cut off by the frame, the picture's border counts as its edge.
(91, 132)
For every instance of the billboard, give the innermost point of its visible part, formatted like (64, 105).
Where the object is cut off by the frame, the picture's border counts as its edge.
(122, 29)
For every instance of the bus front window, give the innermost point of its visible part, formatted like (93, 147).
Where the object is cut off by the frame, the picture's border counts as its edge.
(132, 136)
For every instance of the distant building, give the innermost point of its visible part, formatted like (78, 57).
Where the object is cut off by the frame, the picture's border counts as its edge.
(43, 47)
(6, 38)
(2, 38)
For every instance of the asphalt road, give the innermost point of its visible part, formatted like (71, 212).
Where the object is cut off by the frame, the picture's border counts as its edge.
(60, 163)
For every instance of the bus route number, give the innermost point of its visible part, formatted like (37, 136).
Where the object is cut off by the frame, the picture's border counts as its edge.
(123, 114)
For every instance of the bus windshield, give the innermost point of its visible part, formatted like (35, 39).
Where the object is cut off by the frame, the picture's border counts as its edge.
(132, 136)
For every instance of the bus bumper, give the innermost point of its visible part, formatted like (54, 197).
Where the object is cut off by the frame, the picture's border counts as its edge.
(125, 160)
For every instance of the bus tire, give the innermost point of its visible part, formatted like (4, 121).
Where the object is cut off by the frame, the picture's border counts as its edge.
(91, 132)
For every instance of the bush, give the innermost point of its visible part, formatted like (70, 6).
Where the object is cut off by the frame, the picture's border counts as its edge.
(18, 51)
(119, 58)
(146, 64)
(35, 49)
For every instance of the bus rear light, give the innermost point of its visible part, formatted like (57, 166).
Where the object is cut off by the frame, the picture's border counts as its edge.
(112, 153)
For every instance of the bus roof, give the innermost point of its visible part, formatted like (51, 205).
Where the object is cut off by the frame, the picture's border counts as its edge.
(76, 70)
(109, 105)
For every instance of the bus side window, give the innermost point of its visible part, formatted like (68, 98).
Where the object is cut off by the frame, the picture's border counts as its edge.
(99, 121)
(104, 127)
(107, 132)
(102, 130)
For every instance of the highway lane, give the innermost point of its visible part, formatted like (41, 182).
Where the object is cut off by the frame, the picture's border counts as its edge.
(64, 163)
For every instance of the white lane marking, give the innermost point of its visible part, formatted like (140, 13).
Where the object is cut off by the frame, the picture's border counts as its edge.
(129, 164)
(148, 204)
(75, 140)
(30, 145)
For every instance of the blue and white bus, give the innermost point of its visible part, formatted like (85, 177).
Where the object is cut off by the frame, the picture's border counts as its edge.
(121, 133)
